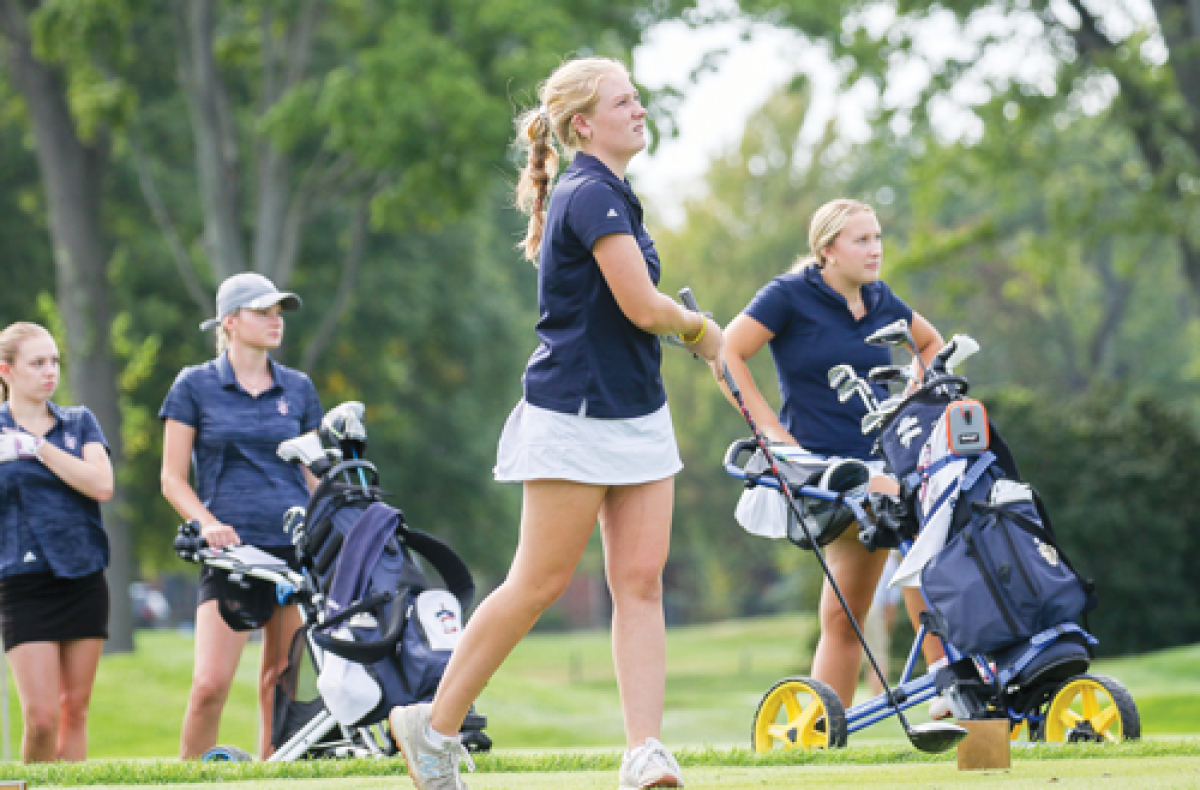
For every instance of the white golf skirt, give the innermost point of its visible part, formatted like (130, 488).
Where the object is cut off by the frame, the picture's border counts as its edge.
(539, 444)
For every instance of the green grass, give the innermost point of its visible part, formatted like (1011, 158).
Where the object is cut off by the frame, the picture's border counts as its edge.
(558, 690)
(1163, 761)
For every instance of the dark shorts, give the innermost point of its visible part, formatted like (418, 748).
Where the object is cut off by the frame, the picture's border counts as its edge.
(208, 590)
(41, 607)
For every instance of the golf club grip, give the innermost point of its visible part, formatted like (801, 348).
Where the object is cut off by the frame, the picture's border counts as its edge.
(689, 299)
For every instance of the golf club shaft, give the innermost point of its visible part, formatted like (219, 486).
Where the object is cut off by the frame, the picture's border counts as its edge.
(689, 300)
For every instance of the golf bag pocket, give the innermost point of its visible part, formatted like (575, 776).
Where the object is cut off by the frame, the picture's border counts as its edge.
(1002, 579)
(434, 625)
(350, 692)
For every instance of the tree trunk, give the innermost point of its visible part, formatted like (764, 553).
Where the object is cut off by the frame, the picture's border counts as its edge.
(71, 172)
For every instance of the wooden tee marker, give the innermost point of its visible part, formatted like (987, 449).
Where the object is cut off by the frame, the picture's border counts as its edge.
(987, 745)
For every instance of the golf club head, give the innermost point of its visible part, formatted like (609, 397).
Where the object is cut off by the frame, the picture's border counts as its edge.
(935, 737)
(838, 374)
(890, 374)
(894, 334)
(871, 421)
(846, 389)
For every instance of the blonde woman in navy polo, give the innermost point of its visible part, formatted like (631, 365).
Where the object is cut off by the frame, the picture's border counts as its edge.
(227, 417)
(814, 317)
(54, 473)
(592, 439)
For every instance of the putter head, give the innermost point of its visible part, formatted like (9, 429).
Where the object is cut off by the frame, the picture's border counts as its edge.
(894, 334)
(935, 737)
(838, 374)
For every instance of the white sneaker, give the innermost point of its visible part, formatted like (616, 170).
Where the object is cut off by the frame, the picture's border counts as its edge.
(430, 767)
(649, 765)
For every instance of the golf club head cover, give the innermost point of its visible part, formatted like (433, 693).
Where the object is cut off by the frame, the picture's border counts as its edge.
(306, 449)
(343, 425)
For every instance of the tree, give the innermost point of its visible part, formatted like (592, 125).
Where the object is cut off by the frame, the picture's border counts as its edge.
(1097, 54)
(72, 162)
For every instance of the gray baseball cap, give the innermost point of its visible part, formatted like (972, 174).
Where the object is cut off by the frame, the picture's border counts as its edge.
(251, 291)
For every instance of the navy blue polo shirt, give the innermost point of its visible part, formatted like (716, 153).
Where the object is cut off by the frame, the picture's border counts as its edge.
(239, 477)
(815, 330)
(592, 361)
(45, 525)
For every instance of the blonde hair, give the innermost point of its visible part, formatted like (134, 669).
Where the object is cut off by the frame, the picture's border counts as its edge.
(10, 346)
(827, 222)
(222, 339)
(573, 89)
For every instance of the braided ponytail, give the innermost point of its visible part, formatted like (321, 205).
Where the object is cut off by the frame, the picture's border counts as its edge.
(573, 89)
(533, 188)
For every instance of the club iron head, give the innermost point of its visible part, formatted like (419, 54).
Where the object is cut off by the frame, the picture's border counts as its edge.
(871, 421)
(894, 334)
(935, 737)
(846, 389)
(889, 374)
(838, 374)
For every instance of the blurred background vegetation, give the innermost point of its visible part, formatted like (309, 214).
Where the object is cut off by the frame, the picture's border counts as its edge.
(356, 151)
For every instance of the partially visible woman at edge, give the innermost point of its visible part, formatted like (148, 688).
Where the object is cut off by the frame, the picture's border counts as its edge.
(814, 317)
(228, 417)
(592, 438)
(54, 473)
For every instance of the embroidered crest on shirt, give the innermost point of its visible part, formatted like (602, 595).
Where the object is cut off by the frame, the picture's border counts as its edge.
(283, 405)
(30, 557)
(70, 441)
(612, 212)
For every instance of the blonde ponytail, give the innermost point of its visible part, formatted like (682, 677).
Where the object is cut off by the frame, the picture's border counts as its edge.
(573, 89)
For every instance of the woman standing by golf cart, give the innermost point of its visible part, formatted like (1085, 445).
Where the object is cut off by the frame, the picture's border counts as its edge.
(592, 438)
(229, 416)
(54, 473)
(815, 317)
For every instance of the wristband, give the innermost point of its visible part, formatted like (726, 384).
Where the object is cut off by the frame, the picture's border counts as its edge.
(700, 334)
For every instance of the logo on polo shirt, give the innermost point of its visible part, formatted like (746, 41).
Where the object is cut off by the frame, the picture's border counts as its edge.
(283, 405)
(70, 441)
(612, 212)
(30, 557)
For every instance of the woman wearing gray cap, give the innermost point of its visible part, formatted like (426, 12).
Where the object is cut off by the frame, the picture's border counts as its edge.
(229, 416)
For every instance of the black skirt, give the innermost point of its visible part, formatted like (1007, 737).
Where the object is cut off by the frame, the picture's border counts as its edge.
(41, 607)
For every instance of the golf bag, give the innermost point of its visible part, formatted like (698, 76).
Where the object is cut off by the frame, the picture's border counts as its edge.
(996, 580)
(387, 627)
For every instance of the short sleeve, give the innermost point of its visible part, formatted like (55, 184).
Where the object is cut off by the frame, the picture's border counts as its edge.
(90, 431)
(893, 306)
(180, 404)
(312, 407)
(772, 307)
(597, 210)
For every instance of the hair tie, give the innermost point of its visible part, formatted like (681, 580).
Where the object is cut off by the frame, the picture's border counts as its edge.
(537, 205)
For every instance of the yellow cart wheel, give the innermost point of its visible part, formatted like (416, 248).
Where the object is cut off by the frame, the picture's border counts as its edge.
(799, 713)
(1092, 709)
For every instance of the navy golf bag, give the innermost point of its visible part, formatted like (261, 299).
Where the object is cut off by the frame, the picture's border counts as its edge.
(999, 585)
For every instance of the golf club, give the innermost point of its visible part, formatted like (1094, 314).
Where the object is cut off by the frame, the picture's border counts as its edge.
(953, 354)
(839, 373)
(895, 334)
(931, 737)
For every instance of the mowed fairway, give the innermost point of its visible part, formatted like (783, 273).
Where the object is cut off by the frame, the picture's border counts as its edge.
(1153, 772)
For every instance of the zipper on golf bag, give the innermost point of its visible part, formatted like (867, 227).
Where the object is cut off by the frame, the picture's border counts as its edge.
(976, 551)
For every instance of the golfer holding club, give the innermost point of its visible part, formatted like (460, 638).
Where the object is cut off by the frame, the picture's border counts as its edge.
(814, 317)
(228, 416)
(54, 473)
(592, 438)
